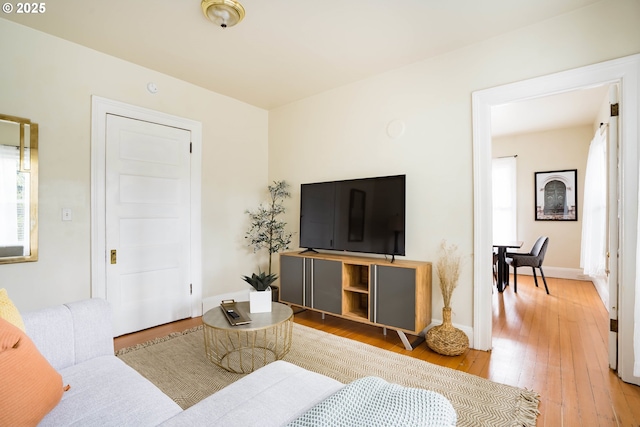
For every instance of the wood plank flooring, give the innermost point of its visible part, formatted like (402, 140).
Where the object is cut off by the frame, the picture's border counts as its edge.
(554, 344)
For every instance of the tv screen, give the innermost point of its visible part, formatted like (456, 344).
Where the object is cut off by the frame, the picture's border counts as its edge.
(356, 215)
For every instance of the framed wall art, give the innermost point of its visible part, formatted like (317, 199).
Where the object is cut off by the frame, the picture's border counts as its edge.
(556, 195)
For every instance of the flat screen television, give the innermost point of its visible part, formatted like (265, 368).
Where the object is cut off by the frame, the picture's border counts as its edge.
(357, 215)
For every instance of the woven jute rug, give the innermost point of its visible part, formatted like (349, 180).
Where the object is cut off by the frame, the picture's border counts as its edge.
(178, 366)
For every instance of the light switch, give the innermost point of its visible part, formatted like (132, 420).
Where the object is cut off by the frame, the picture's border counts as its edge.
(66, 214)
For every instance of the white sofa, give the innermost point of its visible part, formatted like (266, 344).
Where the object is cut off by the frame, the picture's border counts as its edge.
(77, 340)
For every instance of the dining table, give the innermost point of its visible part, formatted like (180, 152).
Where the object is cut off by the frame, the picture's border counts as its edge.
(503, 268)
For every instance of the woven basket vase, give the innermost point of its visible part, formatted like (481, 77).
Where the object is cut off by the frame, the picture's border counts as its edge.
(446, 339)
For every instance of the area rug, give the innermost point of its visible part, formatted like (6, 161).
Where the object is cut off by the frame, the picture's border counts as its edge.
(178, 366)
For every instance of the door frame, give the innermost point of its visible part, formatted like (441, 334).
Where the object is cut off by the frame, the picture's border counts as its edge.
(100, 107)
(625, 72)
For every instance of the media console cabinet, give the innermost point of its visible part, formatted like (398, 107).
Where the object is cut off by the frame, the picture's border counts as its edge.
(395, 295)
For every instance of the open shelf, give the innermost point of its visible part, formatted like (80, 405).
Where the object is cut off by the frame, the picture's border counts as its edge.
(355, 304)
(358, 315)
(355, 287)
(356, 277)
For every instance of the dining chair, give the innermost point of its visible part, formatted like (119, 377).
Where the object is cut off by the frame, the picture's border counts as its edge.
(533, 259)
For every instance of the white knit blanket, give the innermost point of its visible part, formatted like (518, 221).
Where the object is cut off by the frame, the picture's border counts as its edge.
(372, 401)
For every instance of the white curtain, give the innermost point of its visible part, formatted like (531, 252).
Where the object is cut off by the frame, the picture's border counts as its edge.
(504, 199)
(593, 255)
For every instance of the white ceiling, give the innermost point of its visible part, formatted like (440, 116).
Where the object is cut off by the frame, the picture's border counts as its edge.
(576, 108)
(285, 50)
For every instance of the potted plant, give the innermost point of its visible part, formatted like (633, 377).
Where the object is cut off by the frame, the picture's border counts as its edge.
(260, 295)
(446, 339)
(267, 231)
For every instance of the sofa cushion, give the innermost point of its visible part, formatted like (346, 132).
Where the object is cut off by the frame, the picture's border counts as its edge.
(107, 392)
(93, 328)
(9, 311)
(271, 396)
(29, 386)
(51, 329)
(71, 333)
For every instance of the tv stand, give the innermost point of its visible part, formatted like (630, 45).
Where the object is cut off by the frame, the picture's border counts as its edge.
(375, 291)
(309, 250)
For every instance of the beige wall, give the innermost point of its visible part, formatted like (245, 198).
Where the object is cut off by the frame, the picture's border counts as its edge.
(51, 81)
(558, 149)
(342, 133)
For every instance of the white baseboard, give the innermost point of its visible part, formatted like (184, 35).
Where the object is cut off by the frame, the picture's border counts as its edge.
(602, 286)
(556, 272)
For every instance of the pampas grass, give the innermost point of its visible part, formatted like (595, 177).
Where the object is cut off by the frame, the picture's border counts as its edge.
(448, 268)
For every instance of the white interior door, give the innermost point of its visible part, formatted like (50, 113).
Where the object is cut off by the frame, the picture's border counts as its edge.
(147, 221)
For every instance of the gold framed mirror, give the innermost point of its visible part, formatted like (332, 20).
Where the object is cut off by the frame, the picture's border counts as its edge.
(18, 190)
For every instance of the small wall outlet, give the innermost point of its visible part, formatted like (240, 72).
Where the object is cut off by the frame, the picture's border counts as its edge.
(66, 214)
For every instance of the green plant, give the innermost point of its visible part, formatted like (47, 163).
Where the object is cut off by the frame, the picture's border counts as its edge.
(260, 281)
(266, 230)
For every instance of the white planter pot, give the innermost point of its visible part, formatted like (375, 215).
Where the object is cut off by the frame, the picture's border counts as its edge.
(260, 301)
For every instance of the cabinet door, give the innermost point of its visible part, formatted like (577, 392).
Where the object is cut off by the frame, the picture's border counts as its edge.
(327, 285)
(292, 279)
(394, 296)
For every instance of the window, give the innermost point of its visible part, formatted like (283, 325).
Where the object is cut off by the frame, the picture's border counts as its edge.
(593, 253)
(504, 199)
(14, 209)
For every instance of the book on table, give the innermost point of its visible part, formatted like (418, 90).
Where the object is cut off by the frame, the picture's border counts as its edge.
(236, 316)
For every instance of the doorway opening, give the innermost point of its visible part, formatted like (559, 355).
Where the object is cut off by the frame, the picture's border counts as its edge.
(544, 143)
(625, 72)
(546, 136)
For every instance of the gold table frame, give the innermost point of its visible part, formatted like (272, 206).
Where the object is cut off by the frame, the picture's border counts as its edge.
(243, 348)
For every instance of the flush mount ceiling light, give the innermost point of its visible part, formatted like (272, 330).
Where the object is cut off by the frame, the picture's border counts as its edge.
(225, 13)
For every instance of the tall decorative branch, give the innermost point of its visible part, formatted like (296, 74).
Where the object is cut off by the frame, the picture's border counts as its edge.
(448, 267)
(445, 338)
(266, 230)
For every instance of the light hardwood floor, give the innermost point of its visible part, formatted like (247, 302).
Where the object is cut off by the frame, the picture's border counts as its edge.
(554, 344)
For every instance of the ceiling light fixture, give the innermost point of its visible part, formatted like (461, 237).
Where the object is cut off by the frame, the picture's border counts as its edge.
(225, 13)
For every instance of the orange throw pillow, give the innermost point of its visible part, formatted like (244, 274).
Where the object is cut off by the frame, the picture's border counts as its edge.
(29, 386)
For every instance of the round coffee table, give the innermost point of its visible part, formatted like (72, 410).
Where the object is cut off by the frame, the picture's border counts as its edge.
(243, 348)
